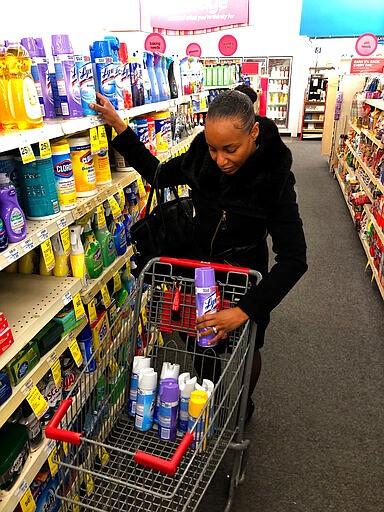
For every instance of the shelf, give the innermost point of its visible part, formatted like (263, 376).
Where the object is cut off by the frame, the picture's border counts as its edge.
(29, 302)
(373, 268)
(374, 180)
(375, 103)
(378, 230)
(39, 231)
(37, 373)
(95, 285)
(10, 499)
(212, 87)
(306, 111)
(312, 130)
(313, 120)
(279, 78)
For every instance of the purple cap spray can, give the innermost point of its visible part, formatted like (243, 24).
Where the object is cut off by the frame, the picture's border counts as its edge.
(66, 76)
(169, 409)
(206, 299)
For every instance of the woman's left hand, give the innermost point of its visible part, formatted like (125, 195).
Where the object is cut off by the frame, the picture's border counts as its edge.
(221, 322)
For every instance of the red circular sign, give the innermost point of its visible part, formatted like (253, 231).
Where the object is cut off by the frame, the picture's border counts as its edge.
(227, 45)
(193, 50)
(366, 44)
(155, 43)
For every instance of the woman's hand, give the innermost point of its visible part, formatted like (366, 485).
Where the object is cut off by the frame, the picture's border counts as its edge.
(110, 115)
(221, 322)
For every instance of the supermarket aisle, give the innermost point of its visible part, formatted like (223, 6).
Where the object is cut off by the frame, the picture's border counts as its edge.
(318, 430)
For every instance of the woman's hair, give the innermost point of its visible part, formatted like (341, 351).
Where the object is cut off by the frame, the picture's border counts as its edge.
(233, 105)
(247, 89)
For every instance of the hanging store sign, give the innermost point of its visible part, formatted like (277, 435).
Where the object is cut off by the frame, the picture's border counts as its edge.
(227, 45)
(198, 16)
(366, 45)
(155, 43)
(369, 65)
(193, 50)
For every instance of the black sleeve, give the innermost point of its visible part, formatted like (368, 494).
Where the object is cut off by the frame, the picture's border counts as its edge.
(288, 243)
(141, 159)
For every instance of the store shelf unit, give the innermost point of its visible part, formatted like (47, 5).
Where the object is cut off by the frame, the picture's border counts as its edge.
(279, 80)
(313, 119)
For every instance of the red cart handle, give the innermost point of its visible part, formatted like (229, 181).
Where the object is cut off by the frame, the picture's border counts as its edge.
(220, 267)
(166, 466)
(53, 431)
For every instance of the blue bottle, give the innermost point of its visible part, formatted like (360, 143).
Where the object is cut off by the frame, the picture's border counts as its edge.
(160, 76)
(146, 398)
(165, 75)
(104, 70)
(115, 46)
(146, 81)
(85, 341)
(87, 85)
(135, 67)
(152, 76)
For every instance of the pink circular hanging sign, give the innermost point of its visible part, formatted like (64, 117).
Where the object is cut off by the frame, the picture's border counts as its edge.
(228, 45)
(155, 43)
(366, 44)
(193, 50)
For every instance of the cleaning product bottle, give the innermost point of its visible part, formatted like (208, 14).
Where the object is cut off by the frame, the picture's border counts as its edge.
(114, 44)
(104, 237)
(92, 251)
(148, 98)
(84, 70)
(197, 401)
(77, 256)
(40, 75)
(139, 362)
(104, 70)
(136, 79)
(165, 75)
(168, 371)
(127, 221)
(3, 236)
(186, 386)
(171, 77)
(29, 263)
(146, 398)
(152, 76)
(6, 119)
(22, 94)
(168, 409)
(208, 386)
(206, 300)
(125, 75)
(42, 62)
(160, 76)
(117, 230)
(66, 76)
(61, 258)
(10, 212)
(82, 165)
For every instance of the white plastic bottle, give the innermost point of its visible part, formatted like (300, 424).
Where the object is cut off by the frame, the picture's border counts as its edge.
(208, 386)
(146, 399)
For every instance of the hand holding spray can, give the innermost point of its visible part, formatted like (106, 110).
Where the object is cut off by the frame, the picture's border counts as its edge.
(206, 300)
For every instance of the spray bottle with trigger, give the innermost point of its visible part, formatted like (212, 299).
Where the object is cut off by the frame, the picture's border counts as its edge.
(77, 256)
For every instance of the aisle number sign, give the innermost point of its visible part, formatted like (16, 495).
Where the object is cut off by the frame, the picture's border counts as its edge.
(27, 503)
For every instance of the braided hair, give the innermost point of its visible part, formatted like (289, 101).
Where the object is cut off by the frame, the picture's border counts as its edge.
(233, 105)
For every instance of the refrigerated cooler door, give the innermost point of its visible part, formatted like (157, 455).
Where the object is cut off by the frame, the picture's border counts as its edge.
(279, 81)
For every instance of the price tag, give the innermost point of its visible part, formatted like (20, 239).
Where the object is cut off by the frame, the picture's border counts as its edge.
(113, 134)
(78, 306)
(116, 212)
(27, 503)
(67, 298)
(116, 282)
(121, 197)
(92, 315)
(45, 149)
(140, 185)
(12, 255)
(105, 295)
(66, 240)
(103, 456)
(26, 154)
(76, 352)
(47, 252)
(53, 466)
(89, 485)
(21, 489)
(37, 402)
(56, 370)
(101, 222)
(42, 235)
(95, 144)
(27, 245)
(103, 141)
(61, 223)
(76, 508)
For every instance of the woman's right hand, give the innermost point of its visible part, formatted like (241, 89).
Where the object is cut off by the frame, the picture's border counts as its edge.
(110, 115)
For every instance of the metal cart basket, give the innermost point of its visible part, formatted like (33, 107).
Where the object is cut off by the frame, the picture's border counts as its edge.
(105, 463)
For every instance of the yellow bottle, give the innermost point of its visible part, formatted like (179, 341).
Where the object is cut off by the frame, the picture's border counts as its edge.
(77, 256)
(29, 263)
(6, 119)
(12, 268)
(22, 94)
(61, 258)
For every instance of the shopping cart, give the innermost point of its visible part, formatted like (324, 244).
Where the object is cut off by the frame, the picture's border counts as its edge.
(105, 463)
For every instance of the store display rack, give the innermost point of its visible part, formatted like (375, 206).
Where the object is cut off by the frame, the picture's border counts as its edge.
(313, 119)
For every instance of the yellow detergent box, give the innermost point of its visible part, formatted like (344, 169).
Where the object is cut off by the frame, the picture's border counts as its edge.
(23, 362)
(101, 335)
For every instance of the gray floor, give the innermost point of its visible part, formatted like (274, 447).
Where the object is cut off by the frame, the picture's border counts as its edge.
(318, 430)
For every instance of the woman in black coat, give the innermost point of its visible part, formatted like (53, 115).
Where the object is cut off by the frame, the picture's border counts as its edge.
(239, 172)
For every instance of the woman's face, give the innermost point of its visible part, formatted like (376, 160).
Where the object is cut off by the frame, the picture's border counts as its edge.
(229, 145)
